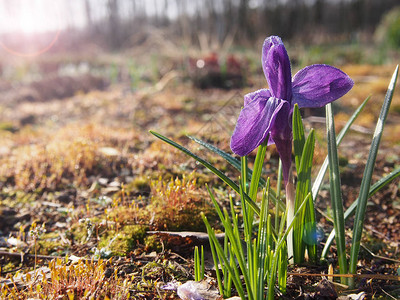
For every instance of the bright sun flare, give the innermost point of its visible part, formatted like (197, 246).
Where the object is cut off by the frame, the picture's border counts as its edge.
(27, 16)
(23, 20)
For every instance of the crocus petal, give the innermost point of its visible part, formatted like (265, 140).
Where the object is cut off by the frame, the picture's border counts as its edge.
(318, 85)
(276, 66)
(254, 124)
(281, 134)
(264, 93)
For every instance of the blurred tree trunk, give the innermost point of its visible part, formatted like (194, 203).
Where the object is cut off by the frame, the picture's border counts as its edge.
(230, 20)
(114, 24)
(246, 30)
(88, 13)
(212, 21)
(183, 20)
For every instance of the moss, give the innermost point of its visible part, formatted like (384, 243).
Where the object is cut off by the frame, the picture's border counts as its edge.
(177, 204)
(16, 198)
(343, 161)
(123, 241)
(6, 126)
(49, 243)
(139, 185)
(10, 266)
(78, 232)
(152, 243)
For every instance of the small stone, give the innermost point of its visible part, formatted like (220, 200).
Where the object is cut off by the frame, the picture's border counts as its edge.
(325, 290)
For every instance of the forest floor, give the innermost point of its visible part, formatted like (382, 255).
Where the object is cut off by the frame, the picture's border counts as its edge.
(91, 202)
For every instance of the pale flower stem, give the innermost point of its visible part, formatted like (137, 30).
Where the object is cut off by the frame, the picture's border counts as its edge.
(290, 203)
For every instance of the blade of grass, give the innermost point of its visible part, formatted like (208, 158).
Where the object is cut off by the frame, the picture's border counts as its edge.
(229, 158)
(335, 192)
(237, 165)
(209, 166)
(306, 224)
(279, 245)
(318, 180)
(244, 174)
(258, 164)
(218, 249)
(299, 138)
(255, 180)
(302, 189)
(278, 194)
(263, 237)
(366, 180)
(350, 211)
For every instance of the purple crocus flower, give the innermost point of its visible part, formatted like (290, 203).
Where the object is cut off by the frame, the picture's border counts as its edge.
(268, 112)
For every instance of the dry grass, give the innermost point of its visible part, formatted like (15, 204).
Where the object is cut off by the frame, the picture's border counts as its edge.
(68, 156)
(83, 279)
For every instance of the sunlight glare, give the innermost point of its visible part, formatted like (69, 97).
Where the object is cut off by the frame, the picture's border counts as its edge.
(28, 17)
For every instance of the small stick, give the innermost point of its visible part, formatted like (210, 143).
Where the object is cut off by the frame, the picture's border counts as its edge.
(372, 276)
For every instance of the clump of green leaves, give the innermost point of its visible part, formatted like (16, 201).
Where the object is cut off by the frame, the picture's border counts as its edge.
(260, 248)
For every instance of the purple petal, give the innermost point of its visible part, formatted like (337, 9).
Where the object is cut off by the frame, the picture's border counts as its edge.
(281, 134)
(254, 123)
(264, 93)
(276, 66)
(318, 85)
(284, 148)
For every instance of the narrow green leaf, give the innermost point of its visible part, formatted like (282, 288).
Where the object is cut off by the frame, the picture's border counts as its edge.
(320, 177)
(263, 237)
(255, 180)
(366, 179)
(244, 173)
(302, 189)
(299, 138)
(209, 166)
(258, 164)
(335, 192)
(310, 231)
(214, 254)
(196, 264)
(278, 194)
(217, 248)
(237, 165)
(229, 158)
(282, 269)
(278, 247)
(350, 211)
(304, 231)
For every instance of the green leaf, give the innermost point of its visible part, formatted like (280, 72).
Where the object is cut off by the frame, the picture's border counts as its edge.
(320, 177)
(209, 166)
(280, 243)
(237, 165)
(217, 250)
(304, 231)
(282, 269)
(299, 138)
(335, 192)
(366, 179)
(302, 189)
(229, 158)
(350, 211)
(258, 165)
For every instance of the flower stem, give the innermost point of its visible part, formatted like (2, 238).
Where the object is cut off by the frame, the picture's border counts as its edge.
(290, 205)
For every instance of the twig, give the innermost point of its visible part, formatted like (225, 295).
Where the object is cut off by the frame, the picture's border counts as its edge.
(388, 294)
(380, 257)
(357, 128)
(371, 276)
(18, 254)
